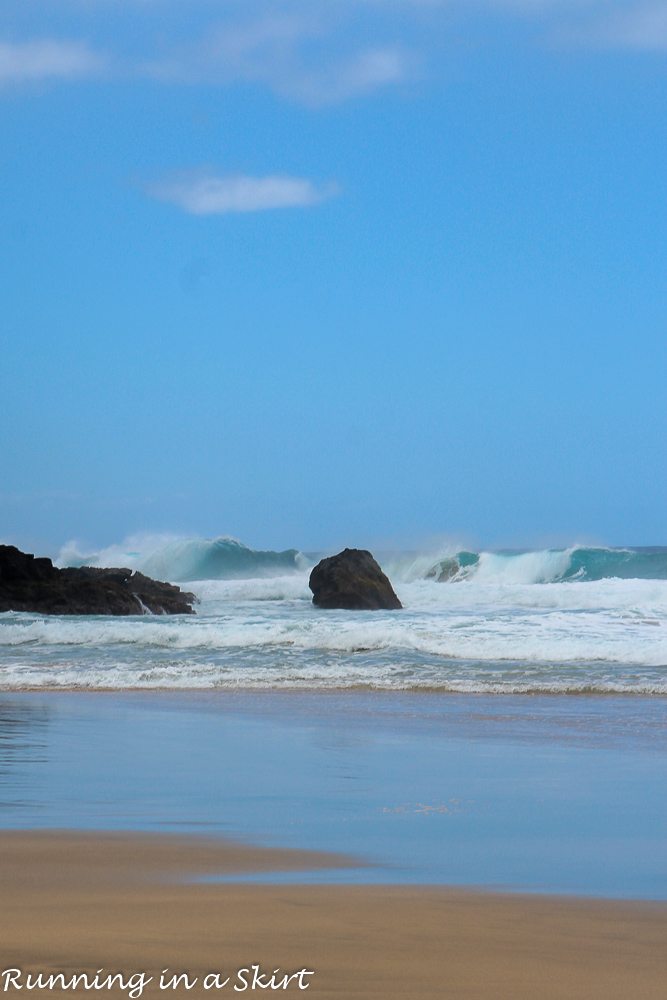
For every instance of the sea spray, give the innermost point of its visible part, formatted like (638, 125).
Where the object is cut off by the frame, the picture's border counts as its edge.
(167, 557)
(576, 563)
(570, 620)
(164, 557)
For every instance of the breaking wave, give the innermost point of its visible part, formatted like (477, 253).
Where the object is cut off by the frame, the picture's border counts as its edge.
(191, 559)
(577, 620)
(178, 559)
(577, 563)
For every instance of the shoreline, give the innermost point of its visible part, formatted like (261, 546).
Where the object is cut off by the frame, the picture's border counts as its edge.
(311, 689)
(82, 901)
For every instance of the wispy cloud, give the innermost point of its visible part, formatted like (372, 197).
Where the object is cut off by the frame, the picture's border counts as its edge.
(208, 194)
(640, 27)
(314, 52)
(293, 54)
(355, 76)
(250, 49)
(297, 56)
(47, 58)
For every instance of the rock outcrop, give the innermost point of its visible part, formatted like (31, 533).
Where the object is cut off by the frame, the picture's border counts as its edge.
(30, 584)
(352, 580)
(444, 570)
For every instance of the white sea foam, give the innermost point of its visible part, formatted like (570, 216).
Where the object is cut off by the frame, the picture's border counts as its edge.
(605, 636)
(504, 622)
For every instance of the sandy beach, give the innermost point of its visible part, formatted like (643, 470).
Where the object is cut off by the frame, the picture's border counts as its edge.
(131, 822)
(124, 902)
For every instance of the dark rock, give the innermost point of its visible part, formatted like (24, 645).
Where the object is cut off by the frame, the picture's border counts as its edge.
(352, 580)
(29, 584)
(444, 570)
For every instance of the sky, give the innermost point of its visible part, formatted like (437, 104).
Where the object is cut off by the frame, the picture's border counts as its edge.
(324, 272)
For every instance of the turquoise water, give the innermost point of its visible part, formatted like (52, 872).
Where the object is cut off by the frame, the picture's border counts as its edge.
(193, 559)
(537, 793)
(552, 621)
(575, 620)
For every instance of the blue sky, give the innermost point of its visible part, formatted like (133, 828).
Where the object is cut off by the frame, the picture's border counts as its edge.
(349, 272)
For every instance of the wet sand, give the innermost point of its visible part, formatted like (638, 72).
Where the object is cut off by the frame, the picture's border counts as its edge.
(124, 902)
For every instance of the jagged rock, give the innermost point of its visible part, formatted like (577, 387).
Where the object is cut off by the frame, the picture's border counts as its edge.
(444, 570)
(352, 580)
(30, 584)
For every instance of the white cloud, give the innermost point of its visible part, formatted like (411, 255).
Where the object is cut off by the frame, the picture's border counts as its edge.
(300, 53)
(247, 50)
(316, 52)
(207, 194)
(643, 27)
(296, 55)
(354, 76)
(43, 59)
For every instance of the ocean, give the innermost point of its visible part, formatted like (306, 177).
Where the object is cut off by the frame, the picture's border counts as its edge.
(578, 620)
(501, 730)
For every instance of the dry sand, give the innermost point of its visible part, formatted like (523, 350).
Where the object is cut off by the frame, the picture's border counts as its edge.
(121, 902)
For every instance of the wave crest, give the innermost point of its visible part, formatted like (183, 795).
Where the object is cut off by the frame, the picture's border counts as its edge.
(166, 557)
(577, 563)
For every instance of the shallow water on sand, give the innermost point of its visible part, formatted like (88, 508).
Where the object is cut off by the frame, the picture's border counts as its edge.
(543, 793)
